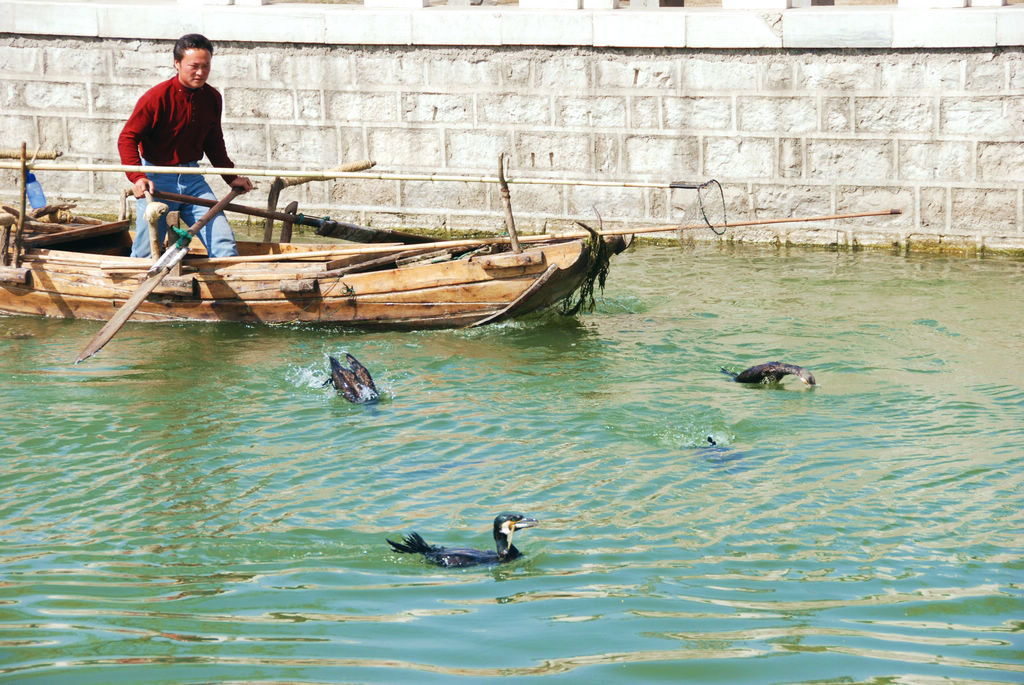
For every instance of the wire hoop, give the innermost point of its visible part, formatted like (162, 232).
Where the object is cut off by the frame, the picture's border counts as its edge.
(710, 203)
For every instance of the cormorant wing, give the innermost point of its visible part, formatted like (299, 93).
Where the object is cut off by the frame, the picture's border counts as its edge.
(455, 557)
(344, 381)
(363, 378)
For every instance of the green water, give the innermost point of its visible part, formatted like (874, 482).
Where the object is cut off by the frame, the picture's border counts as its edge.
(192, 506)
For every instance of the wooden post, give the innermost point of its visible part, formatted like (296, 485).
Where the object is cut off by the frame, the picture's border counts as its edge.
(275, 191)
(6, 221)
(18, 235)
(506, 200)
(286, 226)
(122, 210)
(154, 210)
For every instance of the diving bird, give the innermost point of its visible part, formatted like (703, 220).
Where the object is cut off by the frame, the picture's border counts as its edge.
(504, 525)
(771, 372)
(353, 383)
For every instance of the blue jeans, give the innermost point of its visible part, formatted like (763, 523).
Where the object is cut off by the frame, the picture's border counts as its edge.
(216, 235)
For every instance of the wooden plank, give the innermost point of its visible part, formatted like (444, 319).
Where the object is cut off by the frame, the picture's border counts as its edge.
(251, 248)
(534, 288)
(373, 258)
(506, 260)
(255, 267)
(453, 272)
(257, 286)
(80, 233)
(177, 286)
(315, 310)
(83, 258)
(302, 286)
(433, 256)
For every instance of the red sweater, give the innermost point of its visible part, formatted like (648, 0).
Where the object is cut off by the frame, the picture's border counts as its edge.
(173, 125)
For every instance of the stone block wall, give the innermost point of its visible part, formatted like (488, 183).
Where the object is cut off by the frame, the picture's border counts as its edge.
(936, 133)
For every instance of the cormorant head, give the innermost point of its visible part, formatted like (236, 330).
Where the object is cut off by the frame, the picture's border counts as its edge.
(506, 524)
(780, 369)
(806, 376)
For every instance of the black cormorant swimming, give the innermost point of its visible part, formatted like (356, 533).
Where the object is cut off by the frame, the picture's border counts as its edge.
(771, 372)
(504, 526)
(354, 383)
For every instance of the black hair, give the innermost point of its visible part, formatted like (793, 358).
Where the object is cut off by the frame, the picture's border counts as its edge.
(191, 41)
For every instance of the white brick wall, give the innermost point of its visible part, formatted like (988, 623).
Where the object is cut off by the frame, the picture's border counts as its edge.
(852, 126)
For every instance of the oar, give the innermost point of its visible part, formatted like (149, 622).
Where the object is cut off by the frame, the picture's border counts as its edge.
(157, 272)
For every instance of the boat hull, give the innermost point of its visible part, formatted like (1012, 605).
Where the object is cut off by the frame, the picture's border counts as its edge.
(449, 293)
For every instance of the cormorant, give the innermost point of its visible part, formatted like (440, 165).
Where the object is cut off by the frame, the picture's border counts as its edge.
(354, 384)
(771, 372)
(504, 525)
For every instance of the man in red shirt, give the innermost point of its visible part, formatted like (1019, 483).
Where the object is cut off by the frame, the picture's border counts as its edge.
(174, 124)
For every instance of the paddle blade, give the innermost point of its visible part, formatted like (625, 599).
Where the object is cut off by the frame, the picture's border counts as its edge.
(123, 314)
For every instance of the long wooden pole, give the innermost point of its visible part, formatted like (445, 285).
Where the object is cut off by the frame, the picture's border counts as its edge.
(327, 227)
(479, 242)
(6, 221)
(751, 222)
(20, 232)
(506, 202)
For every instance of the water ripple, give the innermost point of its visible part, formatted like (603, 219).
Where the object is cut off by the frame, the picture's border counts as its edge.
(196, 506)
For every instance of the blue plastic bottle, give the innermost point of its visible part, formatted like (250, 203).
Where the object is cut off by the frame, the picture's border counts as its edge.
(36, 198)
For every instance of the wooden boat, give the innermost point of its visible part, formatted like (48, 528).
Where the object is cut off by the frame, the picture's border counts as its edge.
(83, 271)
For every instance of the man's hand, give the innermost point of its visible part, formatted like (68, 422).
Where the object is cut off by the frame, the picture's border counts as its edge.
(141, 187)
(242, 183)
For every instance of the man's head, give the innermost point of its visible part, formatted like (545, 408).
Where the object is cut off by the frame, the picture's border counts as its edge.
(192, 56)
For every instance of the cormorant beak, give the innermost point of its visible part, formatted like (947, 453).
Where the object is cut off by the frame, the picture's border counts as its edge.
(524, 523)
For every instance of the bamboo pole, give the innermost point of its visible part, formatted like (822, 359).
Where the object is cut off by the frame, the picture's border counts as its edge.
(361, 165)
(326, 175)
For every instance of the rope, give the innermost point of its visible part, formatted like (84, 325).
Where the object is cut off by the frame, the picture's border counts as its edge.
(302, 218)
(184, 237)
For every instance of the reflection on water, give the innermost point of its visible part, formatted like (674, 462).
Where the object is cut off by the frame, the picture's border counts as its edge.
(193, 505)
